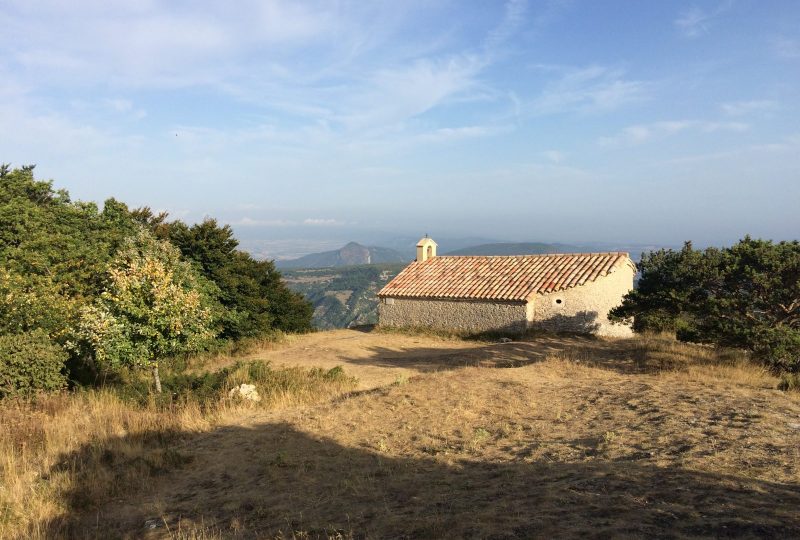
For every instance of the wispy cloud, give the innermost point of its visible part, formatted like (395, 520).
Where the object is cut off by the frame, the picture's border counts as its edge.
(590, 89)
(640, 133)
(396, 94)
(126, 107)
(251, 222)
(789, 147)
(514, 16)
(786, 47)
(745, 108)
(323, 76)
(443, 135)
(554, 156)
(308, 222)
(695, 22)
(155, 44)
(323, 222)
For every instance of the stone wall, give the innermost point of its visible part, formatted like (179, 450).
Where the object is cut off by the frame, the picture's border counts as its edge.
(469, 316)
(585, 308)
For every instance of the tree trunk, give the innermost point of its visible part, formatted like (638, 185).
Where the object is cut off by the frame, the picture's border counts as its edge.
(156, 378)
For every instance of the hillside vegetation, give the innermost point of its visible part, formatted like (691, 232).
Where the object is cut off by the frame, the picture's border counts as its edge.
(342, 297)
(86, 291)
(351, 254)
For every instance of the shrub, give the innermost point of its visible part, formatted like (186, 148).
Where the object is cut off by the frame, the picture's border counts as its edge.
(790, 381)
(746, 296)
(209, 389)
(30, 362)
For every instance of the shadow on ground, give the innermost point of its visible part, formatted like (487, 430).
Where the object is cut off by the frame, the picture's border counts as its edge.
(275, 481)
(621, 355)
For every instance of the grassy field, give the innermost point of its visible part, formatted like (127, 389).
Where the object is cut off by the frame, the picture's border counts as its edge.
(440, 438)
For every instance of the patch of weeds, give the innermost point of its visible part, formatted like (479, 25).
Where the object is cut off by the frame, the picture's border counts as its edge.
(561, 415)
(609, 437)
(209, 388)
(335, 374)
(790, 382)
(479, 436)
(280, 460)
(608, 440)
(401, 380)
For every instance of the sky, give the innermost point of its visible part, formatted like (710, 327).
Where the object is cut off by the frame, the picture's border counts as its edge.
(321, 122)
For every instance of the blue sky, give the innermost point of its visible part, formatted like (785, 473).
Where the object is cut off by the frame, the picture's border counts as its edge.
(569, 121)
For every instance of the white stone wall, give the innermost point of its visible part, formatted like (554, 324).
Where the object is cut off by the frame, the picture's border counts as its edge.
(584, 308)
(469, 316)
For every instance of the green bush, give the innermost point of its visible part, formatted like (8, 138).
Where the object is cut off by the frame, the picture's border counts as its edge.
(746, 296)
(207, 389)
(790, 381)
(30, 362)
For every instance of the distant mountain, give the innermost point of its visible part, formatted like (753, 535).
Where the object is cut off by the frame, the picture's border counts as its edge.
(350, 255)
(519, 248)
(406, 245)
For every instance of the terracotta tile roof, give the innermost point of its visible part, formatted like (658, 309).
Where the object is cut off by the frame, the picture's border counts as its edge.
(513, 278)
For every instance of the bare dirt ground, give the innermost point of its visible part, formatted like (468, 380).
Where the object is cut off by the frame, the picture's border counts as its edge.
(553, 437)
(381, 358)
(375, 358)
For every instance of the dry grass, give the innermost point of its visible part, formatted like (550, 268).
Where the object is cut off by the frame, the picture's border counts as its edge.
(67, 452)
(555, 436)
(675, 360)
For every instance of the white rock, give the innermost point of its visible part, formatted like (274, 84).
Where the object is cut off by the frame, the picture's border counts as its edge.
(245, 391)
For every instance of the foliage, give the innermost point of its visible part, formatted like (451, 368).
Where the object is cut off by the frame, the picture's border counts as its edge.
(44, 233)
(209, 388)
(745, 296)
(30, 362)
(54, 253)
(790, 381)
(344, 296)
(256, 297)
(30, 301)
(152, 308)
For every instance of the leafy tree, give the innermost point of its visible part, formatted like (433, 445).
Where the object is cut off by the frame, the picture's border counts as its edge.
(256, 297)
(54, 253)
(44, 233)
(745, 296)
(30, 362)
(153, 308)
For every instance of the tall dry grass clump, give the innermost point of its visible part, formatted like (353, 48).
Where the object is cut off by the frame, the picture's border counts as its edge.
(48, 447)
(68, 453)
(664, 355)
(699, 363)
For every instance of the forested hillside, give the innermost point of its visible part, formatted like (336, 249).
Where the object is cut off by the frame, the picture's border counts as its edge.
(85, 290)
(342, 297)
(351, 254)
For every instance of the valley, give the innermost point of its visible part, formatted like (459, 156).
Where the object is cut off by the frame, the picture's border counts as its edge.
(342, 297)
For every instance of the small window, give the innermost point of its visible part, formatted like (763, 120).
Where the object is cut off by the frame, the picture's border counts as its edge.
(559, 302)
(388, 301)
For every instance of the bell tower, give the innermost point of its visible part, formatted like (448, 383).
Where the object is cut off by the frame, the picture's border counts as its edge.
(426, 249)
